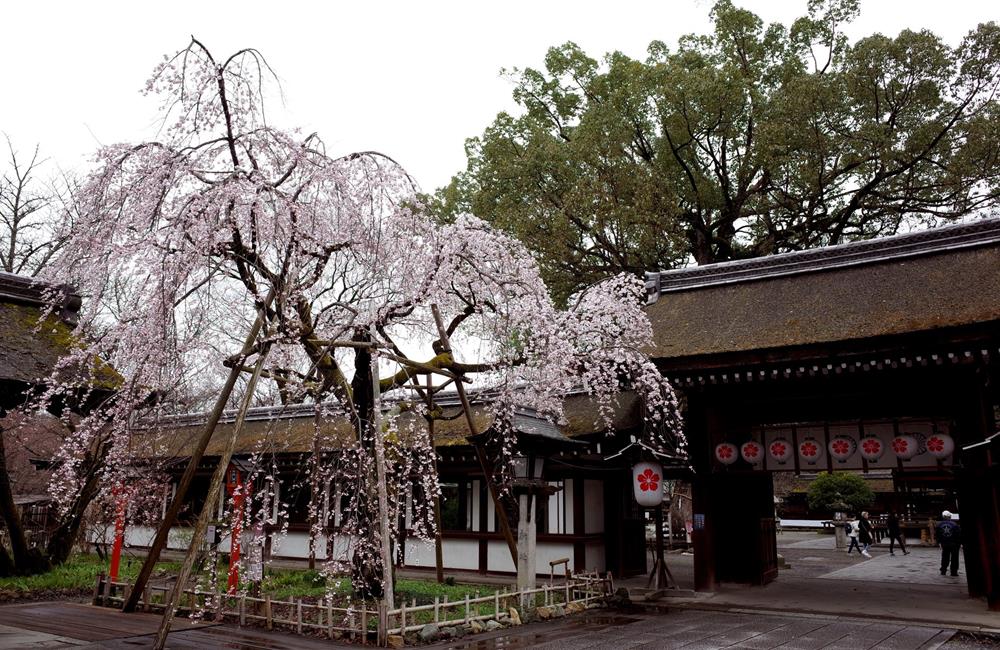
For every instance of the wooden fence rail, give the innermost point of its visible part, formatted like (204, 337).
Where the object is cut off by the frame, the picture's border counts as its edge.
(362, 624)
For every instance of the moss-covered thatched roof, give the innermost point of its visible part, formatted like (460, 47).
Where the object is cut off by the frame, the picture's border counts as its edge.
(943, 278)
(291, 430)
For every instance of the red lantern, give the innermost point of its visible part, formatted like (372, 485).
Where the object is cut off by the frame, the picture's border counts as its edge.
(872, 448)
(780, 450)
(810, 451)
(647, 484)
(940, 445)
(726, 453)
(842, 447)
(752, 452)
(904, 446)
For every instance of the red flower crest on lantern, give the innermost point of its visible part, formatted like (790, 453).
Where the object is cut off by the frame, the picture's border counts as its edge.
(809, 449)
(841, 446)
(899, 445)
(871, 446)
(935, 444)
(778, 449)
(725, 451)
(648, 480)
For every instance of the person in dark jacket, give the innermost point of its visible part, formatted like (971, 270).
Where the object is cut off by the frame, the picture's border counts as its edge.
(866, 533)
(949, 536)
(895, 533)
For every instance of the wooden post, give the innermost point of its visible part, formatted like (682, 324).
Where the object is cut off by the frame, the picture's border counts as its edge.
(298, 615)
(268, 622)
(329, 617)
(160, 541)
(466, 607)
(364, 624)
(243, 610)
(96, 600)
(215, 486)
(437, 609)
(402, 617)
(508, 535)
(147, 599)
(388, 594)
(496, 605)
(382, 636)
(438, 535)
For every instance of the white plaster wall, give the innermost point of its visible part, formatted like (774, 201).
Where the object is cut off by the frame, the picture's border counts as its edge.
(545, 552)
(497, 557)
(593, 494)
(178, 539)
(421, 554)
(461, 554)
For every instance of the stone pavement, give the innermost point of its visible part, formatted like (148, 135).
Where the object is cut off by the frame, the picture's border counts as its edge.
(700, 630)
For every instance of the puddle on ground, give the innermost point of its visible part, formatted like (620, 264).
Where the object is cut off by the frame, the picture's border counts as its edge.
(528, 639)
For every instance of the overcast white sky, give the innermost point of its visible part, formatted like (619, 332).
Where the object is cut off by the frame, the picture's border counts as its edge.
(410, 79)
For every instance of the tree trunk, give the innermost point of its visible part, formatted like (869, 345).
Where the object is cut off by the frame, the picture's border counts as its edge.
(61, 543)
(366, 569)
(25, 560)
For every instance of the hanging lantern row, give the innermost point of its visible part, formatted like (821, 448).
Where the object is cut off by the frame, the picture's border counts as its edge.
(810, 451)
(752, 452)
(726, 453)
(940, 445)
(872, 448)
(841, 447)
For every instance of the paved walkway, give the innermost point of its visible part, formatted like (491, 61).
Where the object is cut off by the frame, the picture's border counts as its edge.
(698, 630)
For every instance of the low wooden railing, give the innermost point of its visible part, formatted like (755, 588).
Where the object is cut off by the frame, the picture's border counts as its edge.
(364, 624)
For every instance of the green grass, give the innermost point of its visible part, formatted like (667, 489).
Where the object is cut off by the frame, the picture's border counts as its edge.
(282, 584)
(79, 573)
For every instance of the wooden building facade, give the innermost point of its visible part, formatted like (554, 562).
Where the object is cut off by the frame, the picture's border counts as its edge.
(892, 331)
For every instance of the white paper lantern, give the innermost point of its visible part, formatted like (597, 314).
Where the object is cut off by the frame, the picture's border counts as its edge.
(872, 448)
(726, 453)
(810, 451)
(752, 452)
(905, 446)
(647, 484)
(842, 447)
(780, 450)
(940, 445)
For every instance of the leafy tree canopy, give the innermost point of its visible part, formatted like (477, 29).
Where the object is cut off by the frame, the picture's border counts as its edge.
(750, 140)
(839, 491)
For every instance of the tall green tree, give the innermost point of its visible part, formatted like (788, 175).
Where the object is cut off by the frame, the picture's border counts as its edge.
(751, 140)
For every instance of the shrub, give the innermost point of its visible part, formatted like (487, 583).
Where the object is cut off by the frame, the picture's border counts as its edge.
(839, 491)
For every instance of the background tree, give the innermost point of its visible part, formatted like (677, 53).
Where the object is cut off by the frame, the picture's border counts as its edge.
(839, 491)
(33, 216)
(750, 140)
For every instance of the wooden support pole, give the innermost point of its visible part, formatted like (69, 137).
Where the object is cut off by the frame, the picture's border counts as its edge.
(160, 541)
(508, 535)
(388, 595)
(438, 535)
(215, 486)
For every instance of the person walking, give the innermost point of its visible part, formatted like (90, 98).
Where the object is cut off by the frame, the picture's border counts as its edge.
(895, 533)
(866, 533)
(949, 536)
(851, 528)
